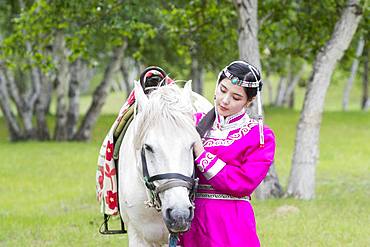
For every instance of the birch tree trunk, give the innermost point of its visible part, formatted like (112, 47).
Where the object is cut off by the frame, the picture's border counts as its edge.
(15, 132)
(115, 86)
(28, 102)
(42, 107)
(24, 103)
(249, 51)
(74, 97)
(267, 84)
(270, 186)
(302, 175)
(100, 95)
(248, 31)
(130, 70)
(280, 91)
(291, 100)
(197, 75)
(348, 87)
(365, 102)
(125, 79)
(289, 92)
(62, 81)
(85, 74)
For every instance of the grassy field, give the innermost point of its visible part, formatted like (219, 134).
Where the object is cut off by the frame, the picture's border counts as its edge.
(47, 192)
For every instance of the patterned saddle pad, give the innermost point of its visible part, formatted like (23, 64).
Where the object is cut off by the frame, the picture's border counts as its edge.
(106, 174)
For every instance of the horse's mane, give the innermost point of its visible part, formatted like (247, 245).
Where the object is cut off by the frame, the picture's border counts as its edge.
(167, 108)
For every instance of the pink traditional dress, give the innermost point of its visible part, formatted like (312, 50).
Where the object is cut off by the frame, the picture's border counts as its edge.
(229, 170)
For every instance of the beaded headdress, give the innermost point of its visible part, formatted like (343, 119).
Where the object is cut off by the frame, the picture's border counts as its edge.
(249, 84)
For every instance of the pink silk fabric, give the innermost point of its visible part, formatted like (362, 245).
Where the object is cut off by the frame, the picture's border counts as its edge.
(233, 164)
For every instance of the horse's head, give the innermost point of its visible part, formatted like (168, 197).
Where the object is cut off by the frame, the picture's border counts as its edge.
(165, 134)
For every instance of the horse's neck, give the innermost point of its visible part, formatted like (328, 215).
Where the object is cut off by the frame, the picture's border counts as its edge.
(128, 155)
(132, 191)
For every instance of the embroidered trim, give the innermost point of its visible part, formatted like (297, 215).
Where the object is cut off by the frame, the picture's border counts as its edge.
(205, 187)
(216, 168)
(205, 161)
(229, 123)
(231, 119)
(221, 197)
(231, 139)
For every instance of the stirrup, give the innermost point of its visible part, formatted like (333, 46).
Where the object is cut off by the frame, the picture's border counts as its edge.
(104, 228)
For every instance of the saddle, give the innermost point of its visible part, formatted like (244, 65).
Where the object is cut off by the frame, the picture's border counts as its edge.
(106, 174)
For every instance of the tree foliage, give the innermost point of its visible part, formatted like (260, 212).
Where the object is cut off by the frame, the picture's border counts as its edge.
(295, 28)
(170, 34)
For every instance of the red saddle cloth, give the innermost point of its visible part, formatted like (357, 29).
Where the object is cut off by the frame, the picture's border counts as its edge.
(106, 174)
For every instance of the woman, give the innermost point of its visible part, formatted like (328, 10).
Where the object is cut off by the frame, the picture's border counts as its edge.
(233, 158)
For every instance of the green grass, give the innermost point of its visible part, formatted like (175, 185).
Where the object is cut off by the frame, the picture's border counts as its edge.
(340, 214)
(47, 192)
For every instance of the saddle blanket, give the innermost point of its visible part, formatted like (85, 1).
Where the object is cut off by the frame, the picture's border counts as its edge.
(106, 174)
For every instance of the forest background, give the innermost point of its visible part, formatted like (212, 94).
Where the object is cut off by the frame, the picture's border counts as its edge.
(66, 68)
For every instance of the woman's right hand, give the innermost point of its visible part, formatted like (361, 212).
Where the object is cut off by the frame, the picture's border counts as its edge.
(198, 148)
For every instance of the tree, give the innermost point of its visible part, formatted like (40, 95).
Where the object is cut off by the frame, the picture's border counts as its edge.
(200, 32)
(100, 95)
(290, 34)
(10, 118)
(249, 51)
(41, 48)
(354, 67)
(365, 101)
(302, 176)
(290, 76)
(248, 31)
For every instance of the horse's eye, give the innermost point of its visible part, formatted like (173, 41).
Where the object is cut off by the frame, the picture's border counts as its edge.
(148, 148)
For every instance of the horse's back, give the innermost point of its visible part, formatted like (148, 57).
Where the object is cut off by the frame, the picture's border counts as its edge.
(200, 103)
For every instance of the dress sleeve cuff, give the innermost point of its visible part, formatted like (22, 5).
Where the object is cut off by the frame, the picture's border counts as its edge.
(209, 165)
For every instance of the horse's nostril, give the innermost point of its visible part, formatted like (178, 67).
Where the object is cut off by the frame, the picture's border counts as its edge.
(191, 213)
(168, 213)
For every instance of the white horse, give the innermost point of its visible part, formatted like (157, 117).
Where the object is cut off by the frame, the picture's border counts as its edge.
(158, 147)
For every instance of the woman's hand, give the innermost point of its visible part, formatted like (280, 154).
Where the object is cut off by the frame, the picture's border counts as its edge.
(198, 148)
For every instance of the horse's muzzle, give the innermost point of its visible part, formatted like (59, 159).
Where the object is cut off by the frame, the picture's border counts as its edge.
(178, 219)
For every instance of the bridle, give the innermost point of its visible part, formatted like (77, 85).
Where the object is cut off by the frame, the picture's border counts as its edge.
(174, 180)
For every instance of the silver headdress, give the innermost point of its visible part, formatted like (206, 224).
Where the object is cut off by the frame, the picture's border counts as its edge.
(251, 84)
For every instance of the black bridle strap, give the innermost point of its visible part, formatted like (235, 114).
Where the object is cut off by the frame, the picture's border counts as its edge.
(174, 180)
(162, 176)
(170, 176)
(172, 184)
(143, 164)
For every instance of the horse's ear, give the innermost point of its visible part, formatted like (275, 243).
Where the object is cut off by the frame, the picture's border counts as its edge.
(188, 94)
(187, 90)
(141, 98)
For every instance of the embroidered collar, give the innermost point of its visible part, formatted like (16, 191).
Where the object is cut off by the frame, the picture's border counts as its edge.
(232, 121)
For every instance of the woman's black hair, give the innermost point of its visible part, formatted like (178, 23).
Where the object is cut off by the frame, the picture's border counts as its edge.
(243, 71)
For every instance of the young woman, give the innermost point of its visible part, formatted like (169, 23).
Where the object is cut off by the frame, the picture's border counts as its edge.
(232, 160)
